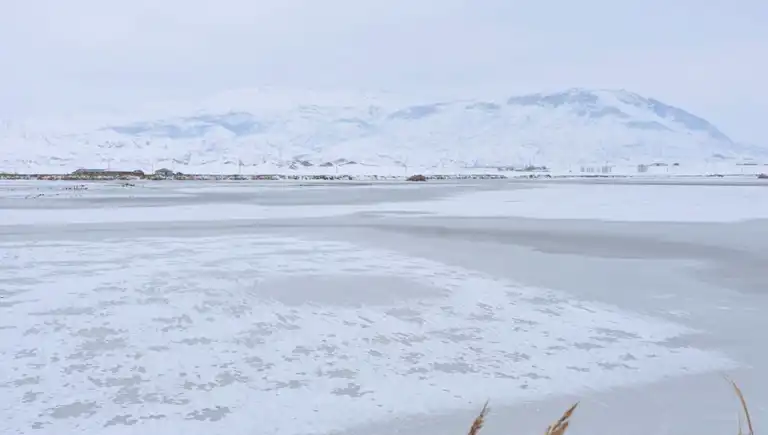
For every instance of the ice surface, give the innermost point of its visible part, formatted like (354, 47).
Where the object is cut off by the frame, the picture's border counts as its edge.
(52, 190)
(192, 325)
(633, 203)
(283, 335)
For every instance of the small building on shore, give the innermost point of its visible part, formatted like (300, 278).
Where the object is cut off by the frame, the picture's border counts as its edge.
(164, 172)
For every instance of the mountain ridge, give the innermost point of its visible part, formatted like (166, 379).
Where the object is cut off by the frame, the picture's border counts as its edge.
(573, 126)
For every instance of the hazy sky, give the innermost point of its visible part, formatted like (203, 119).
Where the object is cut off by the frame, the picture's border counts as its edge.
(707, 56)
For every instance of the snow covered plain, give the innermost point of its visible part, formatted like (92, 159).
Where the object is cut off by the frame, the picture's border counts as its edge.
(212, 308)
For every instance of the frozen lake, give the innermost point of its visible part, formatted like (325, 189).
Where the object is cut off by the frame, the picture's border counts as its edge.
(381, 308)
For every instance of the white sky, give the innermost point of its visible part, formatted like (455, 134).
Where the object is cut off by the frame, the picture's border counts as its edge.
(707, 56)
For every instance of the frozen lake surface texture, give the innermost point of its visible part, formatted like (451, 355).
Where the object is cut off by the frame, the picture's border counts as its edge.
(346, 308)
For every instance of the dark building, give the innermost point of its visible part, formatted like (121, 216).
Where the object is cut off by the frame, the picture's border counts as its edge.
(164, 172)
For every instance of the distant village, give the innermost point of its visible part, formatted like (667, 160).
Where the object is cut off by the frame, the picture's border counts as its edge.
(100, 174)
(494, 172)
(167, 174)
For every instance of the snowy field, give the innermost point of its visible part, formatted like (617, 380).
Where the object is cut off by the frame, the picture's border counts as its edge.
(247, 308)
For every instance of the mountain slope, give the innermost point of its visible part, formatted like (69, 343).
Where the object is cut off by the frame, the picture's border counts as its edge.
(576, 126)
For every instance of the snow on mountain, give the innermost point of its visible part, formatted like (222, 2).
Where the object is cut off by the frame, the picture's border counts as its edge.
(284, 129)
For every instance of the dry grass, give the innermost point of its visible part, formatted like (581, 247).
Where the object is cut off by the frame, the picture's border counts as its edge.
(743, 402)
(479, 420)
(561, 425)
(557, 428)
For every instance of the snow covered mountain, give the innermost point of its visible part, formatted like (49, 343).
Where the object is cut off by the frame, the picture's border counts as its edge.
(277, 129)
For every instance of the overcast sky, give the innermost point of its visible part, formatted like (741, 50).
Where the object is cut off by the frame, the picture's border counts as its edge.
(707, 56)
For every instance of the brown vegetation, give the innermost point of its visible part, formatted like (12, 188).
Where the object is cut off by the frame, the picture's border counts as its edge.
(561, 425)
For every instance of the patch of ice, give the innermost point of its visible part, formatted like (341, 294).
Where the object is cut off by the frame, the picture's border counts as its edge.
(645, 203)
(271, 335)
(629, 203)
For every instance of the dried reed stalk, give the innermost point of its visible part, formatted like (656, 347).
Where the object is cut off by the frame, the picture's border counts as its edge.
(557, 428)
(561, 425)
(479, 420)
(744, 407)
